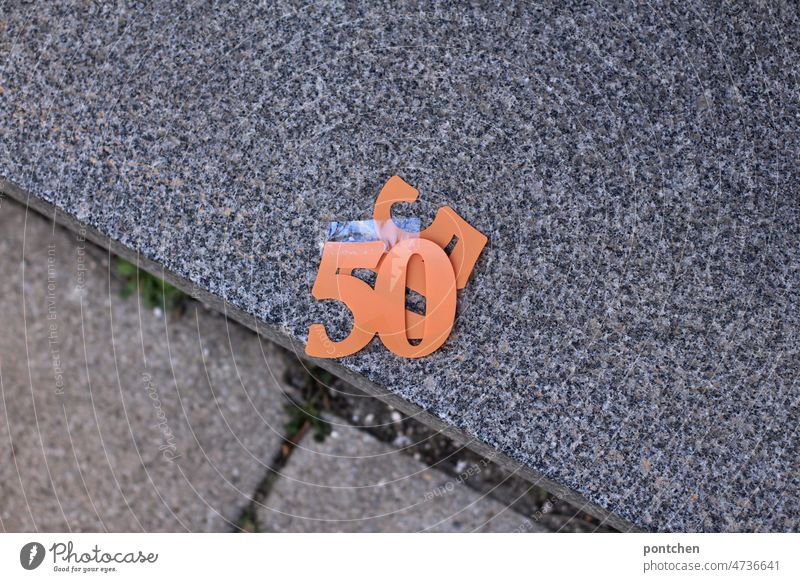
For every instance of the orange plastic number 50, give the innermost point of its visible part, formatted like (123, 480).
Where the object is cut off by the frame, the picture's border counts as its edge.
(420, 264)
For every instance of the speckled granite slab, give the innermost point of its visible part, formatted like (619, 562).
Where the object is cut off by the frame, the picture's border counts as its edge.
(630, 334)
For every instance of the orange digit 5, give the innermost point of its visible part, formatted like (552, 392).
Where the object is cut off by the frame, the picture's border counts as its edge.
(363, 302)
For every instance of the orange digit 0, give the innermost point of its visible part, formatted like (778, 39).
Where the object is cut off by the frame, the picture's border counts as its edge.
(440, 297)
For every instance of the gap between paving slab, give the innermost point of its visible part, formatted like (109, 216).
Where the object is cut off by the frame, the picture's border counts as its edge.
(351, 482)
(275, 335)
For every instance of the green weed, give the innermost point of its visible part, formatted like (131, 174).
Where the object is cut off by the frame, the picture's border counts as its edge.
(155, 292)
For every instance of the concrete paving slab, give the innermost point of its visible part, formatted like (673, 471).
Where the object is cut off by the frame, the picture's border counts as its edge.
(113, 417)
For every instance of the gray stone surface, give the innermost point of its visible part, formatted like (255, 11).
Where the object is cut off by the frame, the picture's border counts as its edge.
(631, 331)
(88, 443)
(351, 482)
